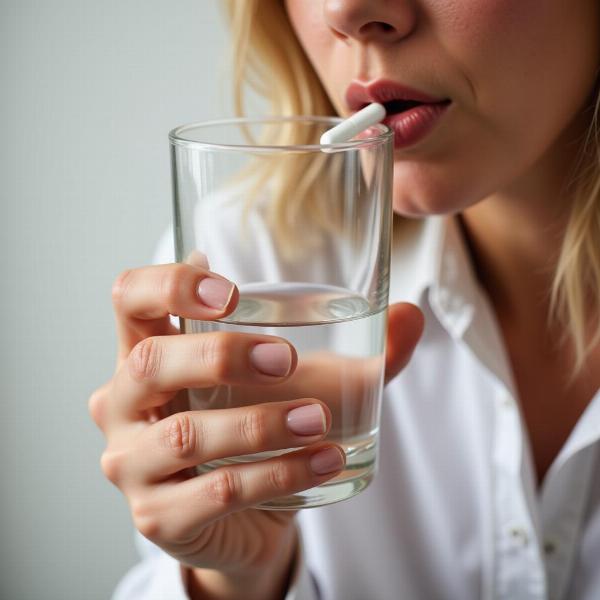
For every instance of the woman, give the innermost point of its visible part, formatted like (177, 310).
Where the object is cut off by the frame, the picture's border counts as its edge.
(489, 477)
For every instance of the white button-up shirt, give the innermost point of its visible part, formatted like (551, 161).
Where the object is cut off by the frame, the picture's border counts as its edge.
(454, 512)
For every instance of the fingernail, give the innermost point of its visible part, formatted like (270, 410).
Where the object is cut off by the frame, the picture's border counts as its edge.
(307, 420)
(272, 359)
(327, 461)
(215, 293)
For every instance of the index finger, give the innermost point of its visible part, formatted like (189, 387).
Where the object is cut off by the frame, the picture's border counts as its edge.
(145, 298)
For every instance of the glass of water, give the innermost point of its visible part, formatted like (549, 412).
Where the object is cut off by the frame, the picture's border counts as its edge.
(304, 231)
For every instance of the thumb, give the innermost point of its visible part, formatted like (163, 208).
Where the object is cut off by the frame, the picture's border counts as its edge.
(405, 326)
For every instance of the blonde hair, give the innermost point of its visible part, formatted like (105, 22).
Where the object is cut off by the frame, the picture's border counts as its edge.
(291, 85)
(575, 293)
(268, 57)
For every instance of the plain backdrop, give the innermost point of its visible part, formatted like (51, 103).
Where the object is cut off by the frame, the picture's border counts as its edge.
(89, 93)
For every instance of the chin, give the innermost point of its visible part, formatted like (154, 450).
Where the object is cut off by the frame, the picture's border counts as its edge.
(418, 194)
(413, 203)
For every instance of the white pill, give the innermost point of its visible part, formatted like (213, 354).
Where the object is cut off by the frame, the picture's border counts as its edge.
(352, 126)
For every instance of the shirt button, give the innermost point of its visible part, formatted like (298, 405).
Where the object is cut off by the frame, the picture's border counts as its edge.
(519, 535)
(549, 547)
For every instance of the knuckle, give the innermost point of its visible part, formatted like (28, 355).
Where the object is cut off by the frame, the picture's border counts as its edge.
(145, 520)
(174, 284)
(145, 359)
(214, 352)
(182, 435)
(224, 487)
(120, 286)
(111, 464)
(96, 404)
(253, 429)
(280, 477)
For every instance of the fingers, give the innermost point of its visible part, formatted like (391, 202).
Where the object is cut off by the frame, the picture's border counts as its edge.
(159, 366)
(405, 326)
(178, 512)
(192, 438)
(144, 298)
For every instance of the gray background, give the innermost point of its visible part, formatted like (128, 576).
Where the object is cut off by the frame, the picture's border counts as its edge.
(89, 92)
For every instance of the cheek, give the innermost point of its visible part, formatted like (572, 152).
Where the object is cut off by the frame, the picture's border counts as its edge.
(531, 67)
(306, 18)
(530, 63)
(326, 54)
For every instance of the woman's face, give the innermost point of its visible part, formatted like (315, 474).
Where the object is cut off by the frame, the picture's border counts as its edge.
(498, 85)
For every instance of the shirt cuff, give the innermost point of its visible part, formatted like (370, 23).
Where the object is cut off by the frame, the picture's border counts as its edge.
(160, 577)
(302, 585)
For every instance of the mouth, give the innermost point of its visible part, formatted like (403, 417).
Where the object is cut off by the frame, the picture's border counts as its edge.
(394, 96)
(399, 106)
(410, 113)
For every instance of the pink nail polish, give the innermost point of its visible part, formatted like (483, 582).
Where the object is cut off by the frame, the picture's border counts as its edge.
(215, 293)
(327, 461)
(272, 359)
(307, 420)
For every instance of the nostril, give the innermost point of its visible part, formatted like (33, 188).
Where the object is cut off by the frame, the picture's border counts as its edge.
(376, 27)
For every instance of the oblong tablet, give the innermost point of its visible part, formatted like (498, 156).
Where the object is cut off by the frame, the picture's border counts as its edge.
(352, 126)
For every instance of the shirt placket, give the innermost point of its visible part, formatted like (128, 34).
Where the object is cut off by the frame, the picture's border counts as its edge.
(520, 572)
(518, 569)
(563, 504)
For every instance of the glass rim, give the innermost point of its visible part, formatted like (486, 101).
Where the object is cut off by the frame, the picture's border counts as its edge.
(177, 137)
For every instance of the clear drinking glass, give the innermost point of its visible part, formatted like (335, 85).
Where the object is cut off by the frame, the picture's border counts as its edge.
(304, 231)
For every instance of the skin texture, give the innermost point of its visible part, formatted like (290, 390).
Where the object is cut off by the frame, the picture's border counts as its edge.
(521, 77)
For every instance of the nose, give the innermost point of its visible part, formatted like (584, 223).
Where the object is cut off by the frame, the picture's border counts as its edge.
(382, 21)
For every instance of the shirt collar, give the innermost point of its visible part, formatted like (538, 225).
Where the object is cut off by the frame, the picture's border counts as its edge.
(431, 263)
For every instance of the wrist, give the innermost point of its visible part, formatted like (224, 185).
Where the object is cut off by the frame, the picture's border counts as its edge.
(270, 583)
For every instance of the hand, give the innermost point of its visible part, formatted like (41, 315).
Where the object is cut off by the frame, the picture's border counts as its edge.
(207, 521)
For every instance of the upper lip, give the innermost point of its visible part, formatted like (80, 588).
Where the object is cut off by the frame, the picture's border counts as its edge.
(359, 95)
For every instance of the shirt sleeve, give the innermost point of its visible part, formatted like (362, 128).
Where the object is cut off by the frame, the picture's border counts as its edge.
(302, 583)
(157, 576)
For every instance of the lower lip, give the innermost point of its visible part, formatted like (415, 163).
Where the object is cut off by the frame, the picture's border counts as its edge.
(411, 126)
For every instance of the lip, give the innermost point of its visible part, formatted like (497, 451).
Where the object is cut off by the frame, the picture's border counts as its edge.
(409, 126)
(382, 91)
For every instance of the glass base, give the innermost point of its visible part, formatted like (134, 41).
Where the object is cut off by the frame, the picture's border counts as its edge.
(328, 493)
